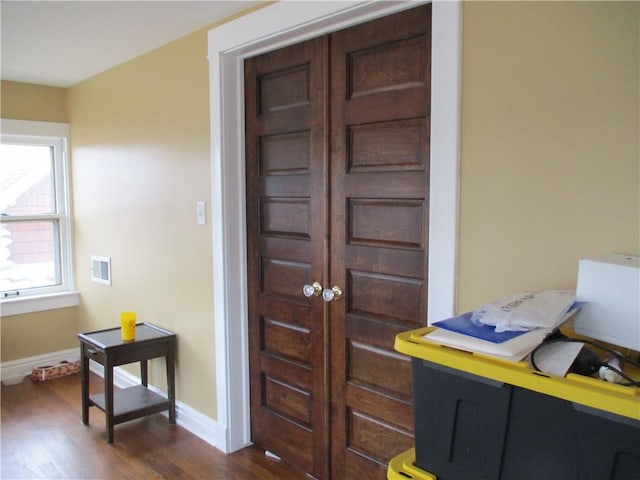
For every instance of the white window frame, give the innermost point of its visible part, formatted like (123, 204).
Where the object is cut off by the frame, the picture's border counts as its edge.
(64, 294)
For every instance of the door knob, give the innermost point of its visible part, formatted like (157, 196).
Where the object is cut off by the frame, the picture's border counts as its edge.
(332, 293)
(315, 289)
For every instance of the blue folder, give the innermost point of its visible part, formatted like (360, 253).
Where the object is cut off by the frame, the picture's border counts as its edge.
(463, 324)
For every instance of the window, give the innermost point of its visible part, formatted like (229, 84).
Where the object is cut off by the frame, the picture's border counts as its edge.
(35, 233)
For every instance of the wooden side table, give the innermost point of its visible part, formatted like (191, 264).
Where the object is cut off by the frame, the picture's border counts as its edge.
(108, 349)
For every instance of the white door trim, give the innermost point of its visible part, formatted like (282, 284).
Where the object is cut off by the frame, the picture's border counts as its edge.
(275, 26)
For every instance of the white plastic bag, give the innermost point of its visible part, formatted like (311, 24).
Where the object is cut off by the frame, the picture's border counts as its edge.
(526, 310)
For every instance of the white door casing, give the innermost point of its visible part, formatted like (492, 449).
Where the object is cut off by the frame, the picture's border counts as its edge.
(275, 26)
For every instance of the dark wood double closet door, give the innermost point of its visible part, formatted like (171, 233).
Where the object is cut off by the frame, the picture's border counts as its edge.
(337, 152)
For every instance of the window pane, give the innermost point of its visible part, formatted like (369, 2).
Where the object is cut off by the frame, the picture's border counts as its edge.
(28, 255)
(26, 181)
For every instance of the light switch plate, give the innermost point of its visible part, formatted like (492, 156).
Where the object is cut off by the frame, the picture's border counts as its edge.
(200, 213)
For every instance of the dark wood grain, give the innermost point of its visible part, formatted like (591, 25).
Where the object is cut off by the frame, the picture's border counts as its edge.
(379, 190)
(285, 96)
(43, 437)
(337, 165)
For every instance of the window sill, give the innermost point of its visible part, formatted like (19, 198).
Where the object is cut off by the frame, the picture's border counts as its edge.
(40, 303)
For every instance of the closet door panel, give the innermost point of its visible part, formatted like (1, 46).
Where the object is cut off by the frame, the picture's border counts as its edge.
(379, 208)
(346, 207)
(285, 102)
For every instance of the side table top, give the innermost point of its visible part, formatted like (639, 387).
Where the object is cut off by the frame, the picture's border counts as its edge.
(112, 337)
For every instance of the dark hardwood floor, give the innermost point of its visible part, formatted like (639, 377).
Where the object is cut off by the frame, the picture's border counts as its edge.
(43, 438)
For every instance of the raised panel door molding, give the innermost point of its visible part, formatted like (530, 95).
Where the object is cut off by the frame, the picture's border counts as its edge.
(266, 29)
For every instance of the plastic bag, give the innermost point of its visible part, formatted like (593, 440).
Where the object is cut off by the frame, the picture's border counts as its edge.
(526, 310)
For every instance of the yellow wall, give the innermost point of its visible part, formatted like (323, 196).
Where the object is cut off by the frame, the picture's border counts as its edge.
(38, 333)
(549, 169)
(550, 142)
(140, 162)
(24, 101)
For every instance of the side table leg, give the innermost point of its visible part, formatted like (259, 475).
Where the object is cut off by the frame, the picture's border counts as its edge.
(84, 382)
(108, 399)
(144, 373)
(171, 381)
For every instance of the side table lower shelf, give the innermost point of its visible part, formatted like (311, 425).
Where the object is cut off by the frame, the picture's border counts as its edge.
(132, 402)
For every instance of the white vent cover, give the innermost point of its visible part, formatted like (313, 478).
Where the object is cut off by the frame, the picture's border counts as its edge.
(101, 269)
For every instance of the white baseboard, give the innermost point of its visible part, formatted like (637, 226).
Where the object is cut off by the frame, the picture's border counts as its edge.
(200, 425)
(14, 372)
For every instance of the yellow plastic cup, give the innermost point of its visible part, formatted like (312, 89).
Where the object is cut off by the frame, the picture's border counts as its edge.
(128, 325)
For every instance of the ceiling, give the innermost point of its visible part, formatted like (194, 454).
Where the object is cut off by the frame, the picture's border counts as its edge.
(60, 43)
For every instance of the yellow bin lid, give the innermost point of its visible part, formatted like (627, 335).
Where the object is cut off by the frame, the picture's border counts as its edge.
(591, 392)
